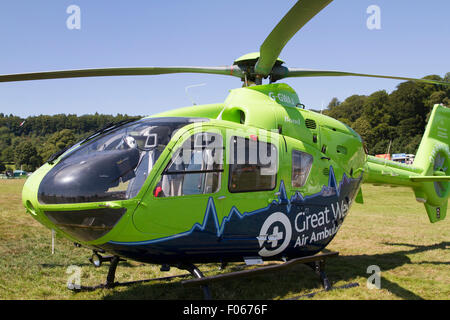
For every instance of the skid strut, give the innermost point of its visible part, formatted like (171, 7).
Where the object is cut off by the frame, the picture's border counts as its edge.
(319, 269)
(193, 270)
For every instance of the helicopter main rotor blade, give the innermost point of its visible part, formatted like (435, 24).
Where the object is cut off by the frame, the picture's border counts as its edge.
(294, 20)
(282, 72)
(110, 72)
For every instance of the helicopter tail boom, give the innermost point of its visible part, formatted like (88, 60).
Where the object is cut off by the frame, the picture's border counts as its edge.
(429, 175)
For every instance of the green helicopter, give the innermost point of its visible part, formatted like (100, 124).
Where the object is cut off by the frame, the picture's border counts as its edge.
(256, 177)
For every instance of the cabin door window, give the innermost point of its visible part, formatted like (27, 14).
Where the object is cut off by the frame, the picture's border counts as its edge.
(195, 168)
(253, 165)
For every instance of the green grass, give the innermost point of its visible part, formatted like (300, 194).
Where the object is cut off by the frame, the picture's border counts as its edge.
(391, 230)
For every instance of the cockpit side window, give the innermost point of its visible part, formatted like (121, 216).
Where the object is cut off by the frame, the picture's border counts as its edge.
(195, 168)
(301, 166)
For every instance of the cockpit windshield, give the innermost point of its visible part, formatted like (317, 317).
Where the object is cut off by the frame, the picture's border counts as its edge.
(113, 165)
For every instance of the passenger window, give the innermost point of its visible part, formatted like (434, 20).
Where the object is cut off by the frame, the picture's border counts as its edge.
(196, 167)
(301, 166)
(253, 165)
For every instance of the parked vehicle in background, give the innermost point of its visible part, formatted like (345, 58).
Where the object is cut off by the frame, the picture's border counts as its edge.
(403, 158)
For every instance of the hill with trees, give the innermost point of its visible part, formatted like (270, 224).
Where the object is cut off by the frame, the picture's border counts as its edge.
(28, 143)
(400, 116)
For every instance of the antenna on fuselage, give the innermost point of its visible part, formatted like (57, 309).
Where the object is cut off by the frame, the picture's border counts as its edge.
(193, 86)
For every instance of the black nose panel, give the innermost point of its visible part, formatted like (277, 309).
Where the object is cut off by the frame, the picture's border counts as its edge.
(86, 225)
(89, 178)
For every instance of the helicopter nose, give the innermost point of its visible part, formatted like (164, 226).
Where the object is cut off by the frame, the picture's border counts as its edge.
(84, 225)
(29, 196)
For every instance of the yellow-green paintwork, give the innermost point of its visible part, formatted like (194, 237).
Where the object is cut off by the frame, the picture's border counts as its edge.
(270, 111)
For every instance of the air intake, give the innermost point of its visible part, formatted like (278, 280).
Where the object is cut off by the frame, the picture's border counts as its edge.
(310, 124)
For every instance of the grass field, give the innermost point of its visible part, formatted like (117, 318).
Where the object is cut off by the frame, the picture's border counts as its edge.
(391, 230)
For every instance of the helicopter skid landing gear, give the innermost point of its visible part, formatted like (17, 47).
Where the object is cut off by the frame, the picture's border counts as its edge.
(110, 283)
(317, 262)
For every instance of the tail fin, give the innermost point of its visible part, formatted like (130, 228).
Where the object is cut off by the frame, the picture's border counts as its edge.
(429, 176)
(433, 157)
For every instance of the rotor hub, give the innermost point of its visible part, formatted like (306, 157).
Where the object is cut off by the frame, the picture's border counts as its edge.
(246, 64)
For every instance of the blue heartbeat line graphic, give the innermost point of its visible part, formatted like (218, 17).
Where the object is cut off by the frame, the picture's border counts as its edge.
(211, 213)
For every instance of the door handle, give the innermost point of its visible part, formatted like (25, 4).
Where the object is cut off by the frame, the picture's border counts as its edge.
(277, 194)
(221, 198)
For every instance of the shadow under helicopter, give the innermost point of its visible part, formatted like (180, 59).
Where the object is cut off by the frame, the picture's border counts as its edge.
(282, 283)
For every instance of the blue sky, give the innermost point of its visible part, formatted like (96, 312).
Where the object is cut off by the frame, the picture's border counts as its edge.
(414, 41)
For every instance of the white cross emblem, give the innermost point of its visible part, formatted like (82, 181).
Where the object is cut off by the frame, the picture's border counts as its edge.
(273, 238)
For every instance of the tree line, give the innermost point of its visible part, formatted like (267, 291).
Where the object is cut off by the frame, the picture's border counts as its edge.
(397, 119)
(28, 143)
(382, 119)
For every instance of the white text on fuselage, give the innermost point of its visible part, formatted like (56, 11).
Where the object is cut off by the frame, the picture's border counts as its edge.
(319, 226)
